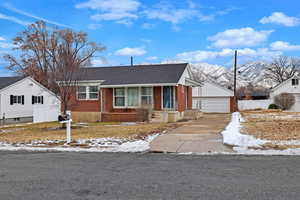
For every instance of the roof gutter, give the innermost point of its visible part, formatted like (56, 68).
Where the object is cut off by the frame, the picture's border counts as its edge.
(139, 85)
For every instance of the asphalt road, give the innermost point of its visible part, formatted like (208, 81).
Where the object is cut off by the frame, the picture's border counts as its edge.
(93, 176)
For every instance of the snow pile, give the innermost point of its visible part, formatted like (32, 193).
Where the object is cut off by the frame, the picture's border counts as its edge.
(94, 145)
(243, 150)
(232, 135)
(243, 143)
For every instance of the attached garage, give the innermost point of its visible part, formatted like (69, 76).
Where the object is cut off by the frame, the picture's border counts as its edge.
(212, 98)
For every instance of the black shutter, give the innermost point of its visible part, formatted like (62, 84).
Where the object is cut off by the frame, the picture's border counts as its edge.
(22, 99)
(32, 99)
(11, 99)
(42, 99)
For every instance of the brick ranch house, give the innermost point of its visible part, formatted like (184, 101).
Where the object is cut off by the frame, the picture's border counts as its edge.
(114, 93)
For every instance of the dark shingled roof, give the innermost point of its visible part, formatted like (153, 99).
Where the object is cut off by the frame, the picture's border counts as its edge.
(6, 81)
(137, 74)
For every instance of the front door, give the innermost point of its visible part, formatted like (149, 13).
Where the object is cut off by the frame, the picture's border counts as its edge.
(168, 97)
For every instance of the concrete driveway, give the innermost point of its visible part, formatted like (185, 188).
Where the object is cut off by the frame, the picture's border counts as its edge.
(199, 136)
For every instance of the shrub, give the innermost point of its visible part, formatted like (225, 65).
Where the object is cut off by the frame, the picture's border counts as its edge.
(273, 106)
(284, 100)
(143, 113)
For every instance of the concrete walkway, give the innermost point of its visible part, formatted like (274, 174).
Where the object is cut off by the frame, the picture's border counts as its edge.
(200, 136)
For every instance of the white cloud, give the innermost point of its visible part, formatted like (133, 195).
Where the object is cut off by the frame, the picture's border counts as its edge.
(169, 13)
(284, 46)
(6, 45)
(174, 14)
(148, 26)
(113, 10)
(281, 19)
(113, 16)
(152, 58)
(125, 22)
(243, 37)
(2, 38)
(94, 26)
(14, 19)
(138, 51)
(12, 8)
(200, 56)
(148, 41)
(99, 62)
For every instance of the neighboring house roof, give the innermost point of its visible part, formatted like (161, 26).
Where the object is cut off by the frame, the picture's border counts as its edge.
(212, 81)
(137, 74)
(284, 82)
(7, 81)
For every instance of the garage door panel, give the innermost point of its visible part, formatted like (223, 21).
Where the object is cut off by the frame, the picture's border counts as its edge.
(221, 105)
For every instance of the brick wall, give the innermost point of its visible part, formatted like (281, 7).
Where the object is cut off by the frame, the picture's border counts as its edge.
(107, 98)
(180, 97)
(157, 98)
(233, 106)
(189, 98)
(119, 117)
(84, 105)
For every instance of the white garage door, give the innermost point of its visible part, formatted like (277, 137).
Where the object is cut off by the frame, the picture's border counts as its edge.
(218, 105)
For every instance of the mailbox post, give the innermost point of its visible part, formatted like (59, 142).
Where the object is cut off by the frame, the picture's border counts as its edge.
(66, 119)
(69, 121)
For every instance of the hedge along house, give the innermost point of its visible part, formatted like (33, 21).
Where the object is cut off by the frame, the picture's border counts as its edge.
(115, 93)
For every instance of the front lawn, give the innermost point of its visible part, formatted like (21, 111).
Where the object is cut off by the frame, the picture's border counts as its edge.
(52, 131)
(281, 127)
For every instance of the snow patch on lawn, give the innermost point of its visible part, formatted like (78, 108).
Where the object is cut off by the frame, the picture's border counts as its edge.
(233, 137)
(246, 151)
(242, 143)
(94, 145)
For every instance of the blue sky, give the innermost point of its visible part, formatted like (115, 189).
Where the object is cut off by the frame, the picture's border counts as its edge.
(156, 31)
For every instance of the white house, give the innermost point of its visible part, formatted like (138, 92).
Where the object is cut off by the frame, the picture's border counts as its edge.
(25, 100)
(290, 86)
(212, 98)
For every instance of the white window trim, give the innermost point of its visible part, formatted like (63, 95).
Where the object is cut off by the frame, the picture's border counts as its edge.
(126, 98)
(152, 99)
(87, 92)
(174, 99)
(295, 80)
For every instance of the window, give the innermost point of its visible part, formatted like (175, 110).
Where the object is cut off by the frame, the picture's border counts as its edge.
(133, 96)
(295, 81)
(81, 93)
(146, 95)
(87, 92)
(93, 92)
(17, 99)
(119, 97)
(37, 100)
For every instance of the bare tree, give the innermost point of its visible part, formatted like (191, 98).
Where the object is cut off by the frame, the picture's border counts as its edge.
(282, 68)
(50, 54)
(284, 100)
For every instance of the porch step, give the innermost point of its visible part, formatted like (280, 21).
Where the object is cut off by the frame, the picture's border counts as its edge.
(157, 117)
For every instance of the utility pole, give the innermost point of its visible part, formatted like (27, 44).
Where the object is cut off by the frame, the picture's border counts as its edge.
(234, 83)
(131, 60)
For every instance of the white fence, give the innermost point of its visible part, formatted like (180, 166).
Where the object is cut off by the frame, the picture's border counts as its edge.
(254, 104)
(42, 113)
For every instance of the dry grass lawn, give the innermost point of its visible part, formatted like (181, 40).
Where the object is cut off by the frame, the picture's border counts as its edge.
(53, 131)
(272, 125)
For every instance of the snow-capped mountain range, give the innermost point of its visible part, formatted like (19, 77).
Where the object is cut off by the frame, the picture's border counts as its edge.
(253, 73)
